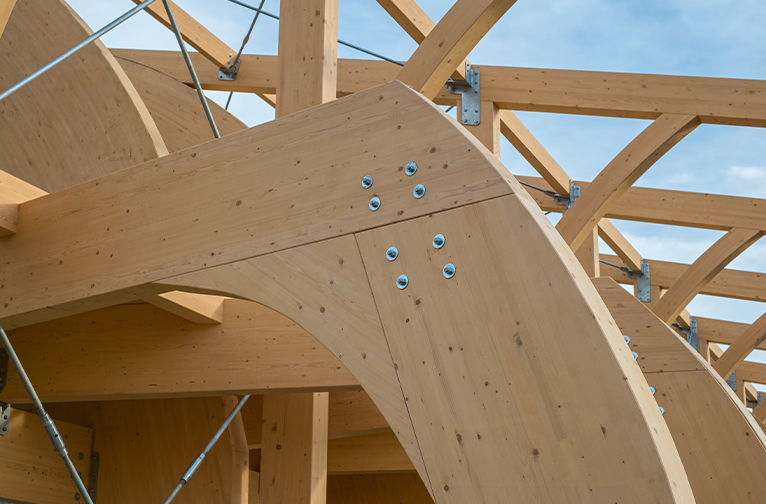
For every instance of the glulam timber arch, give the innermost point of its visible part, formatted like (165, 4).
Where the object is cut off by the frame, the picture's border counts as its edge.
(269, 236)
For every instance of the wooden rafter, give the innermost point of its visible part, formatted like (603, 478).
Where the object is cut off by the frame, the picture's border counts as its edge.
(702, 271)
(741, 348)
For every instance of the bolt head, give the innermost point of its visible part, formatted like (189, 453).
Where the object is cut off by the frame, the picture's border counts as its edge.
(402, 282)
(449, 270)
(411, 168)
(367, 181)
(627, 339)
(652, 390)
(419, 191)
(662, 410)
(635, 355)
(438, 241)
(374, 203)
(392, 253)
(80, 456)
(77, 496)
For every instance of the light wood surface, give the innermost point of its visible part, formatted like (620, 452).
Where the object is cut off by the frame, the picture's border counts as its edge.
(197, 308)
(6, 7)
(31, 470)
(409, 15)
(619, 244)
(741, 348)
(488, 131)
(13, 191)
(450, 41)
(54, 135)
(402, 488)
(175, 108)
(140, 352)
(194, 33)
(294, 448)
(722, 448)
(240, 454)
(370, 453)
(614, 180)
(703, 270)
(587, 255)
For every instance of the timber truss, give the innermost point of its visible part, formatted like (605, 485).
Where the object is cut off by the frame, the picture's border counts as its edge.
(406, 322)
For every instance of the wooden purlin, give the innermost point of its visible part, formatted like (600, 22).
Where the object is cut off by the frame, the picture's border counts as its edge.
(748, 341)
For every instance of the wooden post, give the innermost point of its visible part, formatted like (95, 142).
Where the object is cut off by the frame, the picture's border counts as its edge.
(588, 256)
(295, 435)
(488, 131)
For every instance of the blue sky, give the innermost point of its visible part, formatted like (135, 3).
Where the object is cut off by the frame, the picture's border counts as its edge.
(722, 38)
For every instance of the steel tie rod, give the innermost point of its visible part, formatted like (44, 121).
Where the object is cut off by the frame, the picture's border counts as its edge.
(48, 425)
(106, 29)
(201, 457)
(190, 66)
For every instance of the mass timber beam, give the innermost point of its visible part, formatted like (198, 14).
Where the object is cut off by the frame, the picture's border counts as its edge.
(488, 131)
(370, 453)
(401, 488)
(619, 244)
(6, 7)
(608, 94)
(194, 33)
(138, 351)
(741, 348)
(449, 42)
(614, 180)
(198, 308)
(720, 443)
(702, 271)
(279, 236)
(31, 470)
(13, 191)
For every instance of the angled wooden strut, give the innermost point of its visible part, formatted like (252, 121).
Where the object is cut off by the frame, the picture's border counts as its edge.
(741, 348)
(722, 447)
(621, 173)
(703, 270)
(479, 355)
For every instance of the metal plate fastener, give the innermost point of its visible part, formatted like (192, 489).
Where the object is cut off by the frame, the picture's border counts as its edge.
(367, 181)
(419, 191)
(449, 270)
(411, 168)
(392, 253)
(438, 241)
(374, 203)
(402, 282)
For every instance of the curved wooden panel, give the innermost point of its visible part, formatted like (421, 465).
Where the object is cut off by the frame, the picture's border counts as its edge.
(79, 121)
(469, 373)
(175, 108)
(722, 447)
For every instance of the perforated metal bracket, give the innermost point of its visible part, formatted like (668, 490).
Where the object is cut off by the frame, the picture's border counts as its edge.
(752, 404)
(732, 381)
(229, 74)
(644, 280)
(470, 89)
(692, 334)
(93, 476)
(574, 193)
(5, 418)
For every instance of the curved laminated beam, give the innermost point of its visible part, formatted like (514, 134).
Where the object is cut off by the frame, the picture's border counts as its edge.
(741, 348)
(702, 271)
(614, 180)
(479, 355)
(722, 447)
(450, 41)
(85, 107)
(6, 7)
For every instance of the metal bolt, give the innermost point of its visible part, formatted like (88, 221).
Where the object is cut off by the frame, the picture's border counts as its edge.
(392, 253)
(80, 456)
(652, 390)
(635, 355)
(402, 282)
(374, 203)
(465, 110)
(411, 168)
(77, 496)
(627, 339)
(5, 417)
(449, 270)
(419, 191)
(662, 410)
(367, 181)
(438, 241)
(476, 110)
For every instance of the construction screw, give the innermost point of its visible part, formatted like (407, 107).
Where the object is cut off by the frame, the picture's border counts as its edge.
(449, 270)
(80, 456)
(438, 241)
(402, 282)
(411, 168)
(392, 253)
(419, 191)
(77, 496)
(374, 203)
(367, 181)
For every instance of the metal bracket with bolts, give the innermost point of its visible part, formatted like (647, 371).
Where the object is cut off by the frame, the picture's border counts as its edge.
(93, 476)
(732, 381)
(574, 193)
(692, 336)
(644, 280)
(470, 89)
(231, 73)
